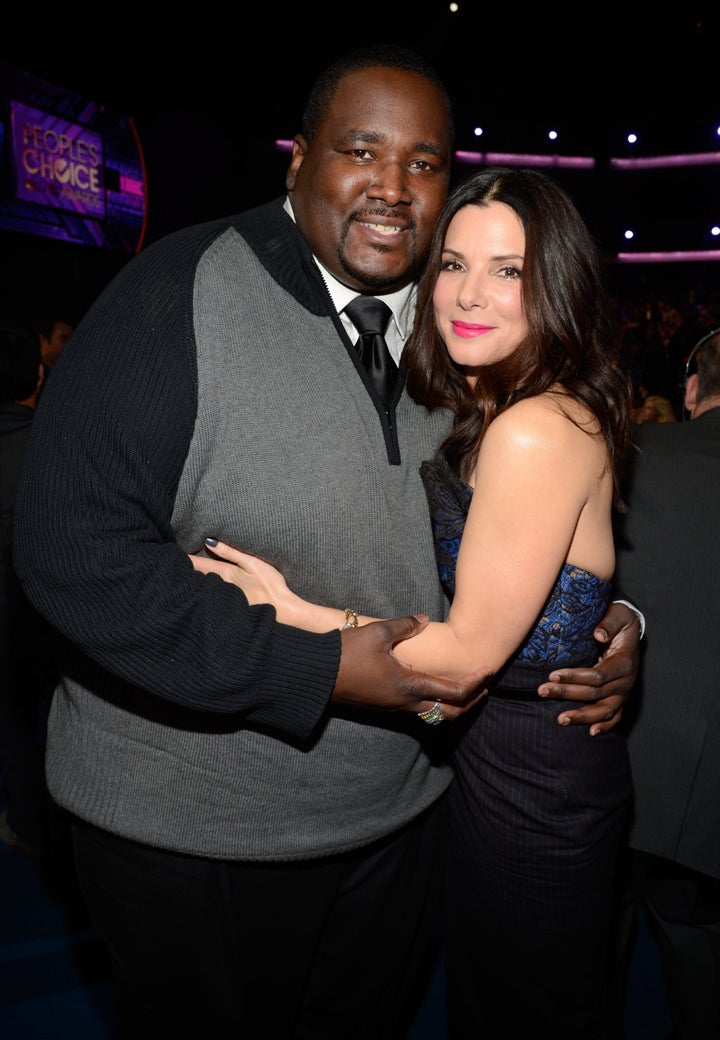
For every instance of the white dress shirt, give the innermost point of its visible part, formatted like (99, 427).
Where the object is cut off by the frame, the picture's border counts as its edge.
(401, 303)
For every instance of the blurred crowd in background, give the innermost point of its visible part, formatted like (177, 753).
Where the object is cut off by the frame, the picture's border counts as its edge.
(658, 329)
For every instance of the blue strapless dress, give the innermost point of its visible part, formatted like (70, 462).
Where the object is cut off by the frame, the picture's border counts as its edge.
(536, 809)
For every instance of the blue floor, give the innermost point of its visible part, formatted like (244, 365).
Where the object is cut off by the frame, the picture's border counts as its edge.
(55, 983)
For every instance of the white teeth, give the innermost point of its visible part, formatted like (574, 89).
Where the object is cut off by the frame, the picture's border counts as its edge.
(382, 228)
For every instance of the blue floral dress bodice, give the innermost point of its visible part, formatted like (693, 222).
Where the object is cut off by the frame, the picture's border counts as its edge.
(563, 632)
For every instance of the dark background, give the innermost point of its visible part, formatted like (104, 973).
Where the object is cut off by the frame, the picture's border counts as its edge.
(211, 88)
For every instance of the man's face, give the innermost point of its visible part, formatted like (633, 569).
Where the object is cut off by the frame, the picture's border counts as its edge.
(367, 192)
(52, 348)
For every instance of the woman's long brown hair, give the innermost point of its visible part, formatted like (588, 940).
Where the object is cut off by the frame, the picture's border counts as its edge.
(572, 340)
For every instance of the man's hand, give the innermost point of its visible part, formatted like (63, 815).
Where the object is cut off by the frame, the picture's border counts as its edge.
(609, 683)
(371, 676)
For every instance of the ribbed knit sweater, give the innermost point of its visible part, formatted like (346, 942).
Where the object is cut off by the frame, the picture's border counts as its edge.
(211, 390)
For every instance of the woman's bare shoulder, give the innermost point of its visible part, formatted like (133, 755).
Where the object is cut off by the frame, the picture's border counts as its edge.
(551, 410)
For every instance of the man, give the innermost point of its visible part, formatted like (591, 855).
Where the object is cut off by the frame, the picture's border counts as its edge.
(25, 660)
(259, 810)
(668, 558)
(53, 333)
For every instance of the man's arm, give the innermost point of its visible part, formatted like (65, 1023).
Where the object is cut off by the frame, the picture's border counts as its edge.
(638, 613)
(95, 546)
(94, 542)
(608, 683)
(371, 675)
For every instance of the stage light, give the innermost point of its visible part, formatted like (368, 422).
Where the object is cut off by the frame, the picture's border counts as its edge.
(657, 162)
(576, 162)
(681, 256)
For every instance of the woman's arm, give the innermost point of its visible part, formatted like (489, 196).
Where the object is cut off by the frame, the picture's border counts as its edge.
(535, 474)
(263, 583)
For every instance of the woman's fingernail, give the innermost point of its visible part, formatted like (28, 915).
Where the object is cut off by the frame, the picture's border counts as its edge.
(212, 542)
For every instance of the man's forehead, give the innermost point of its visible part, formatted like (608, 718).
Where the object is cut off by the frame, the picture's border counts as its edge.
(367, 104)
(384, 81)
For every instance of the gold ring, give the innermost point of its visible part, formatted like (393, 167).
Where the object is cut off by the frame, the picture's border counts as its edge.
(434, 716)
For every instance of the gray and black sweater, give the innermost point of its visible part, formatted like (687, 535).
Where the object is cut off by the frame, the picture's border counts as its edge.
(211, 390)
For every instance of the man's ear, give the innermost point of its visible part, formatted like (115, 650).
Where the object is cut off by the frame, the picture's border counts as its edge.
(299, 148)
(691, 392)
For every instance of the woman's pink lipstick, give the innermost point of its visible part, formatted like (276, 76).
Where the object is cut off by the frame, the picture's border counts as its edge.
(467, 330)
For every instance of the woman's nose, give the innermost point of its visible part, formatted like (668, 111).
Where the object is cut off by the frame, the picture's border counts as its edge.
(471, 294)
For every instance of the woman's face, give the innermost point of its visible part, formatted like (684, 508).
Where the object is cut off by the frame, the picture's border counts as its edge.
(478, 295)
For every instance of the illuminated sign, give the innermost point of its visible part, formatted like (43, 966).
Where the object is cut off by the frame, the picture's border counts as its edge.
(70, 167)
(57, 163)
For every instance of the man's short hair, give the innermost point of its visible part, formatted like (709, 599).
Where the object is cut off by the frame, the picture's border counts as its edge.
(704, 359)
(372, 56)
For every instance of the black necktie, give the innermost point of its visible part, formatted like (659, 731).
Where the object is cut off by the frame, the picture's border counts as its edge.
(371, 317)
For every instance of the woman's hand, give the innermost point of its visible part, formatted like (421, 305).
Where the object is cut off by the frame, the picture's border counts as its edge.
(263, 583)
(260, 581)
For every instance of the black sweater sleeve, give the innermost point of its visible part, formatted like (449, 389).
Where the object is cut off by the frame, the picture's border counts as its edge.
(93, 541)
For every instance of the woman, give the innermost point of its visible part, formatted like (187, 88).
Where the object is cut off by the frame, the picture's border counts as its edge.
(513, 335)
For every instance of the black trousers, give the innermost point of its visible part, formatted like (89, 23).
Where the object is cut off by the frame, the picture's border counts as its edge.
(332, 949)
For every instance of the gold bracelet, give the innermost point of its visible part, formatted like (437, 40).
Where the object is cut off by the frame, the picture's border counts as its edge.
(351, 618)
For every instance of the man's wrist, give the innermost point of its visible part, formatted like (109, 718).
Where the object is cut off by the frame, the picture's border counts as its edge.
(638, 614)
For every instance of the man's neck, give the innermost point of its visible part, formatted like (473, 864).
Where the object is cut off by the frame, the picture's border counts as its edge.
(706, 405)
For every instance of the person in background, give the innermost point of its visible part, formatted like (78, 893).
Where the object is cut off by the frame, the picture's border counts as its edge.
(26, 672)
(258, 812)
(513, 336)
(53, 331)
(667, 541)
(652, 408)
